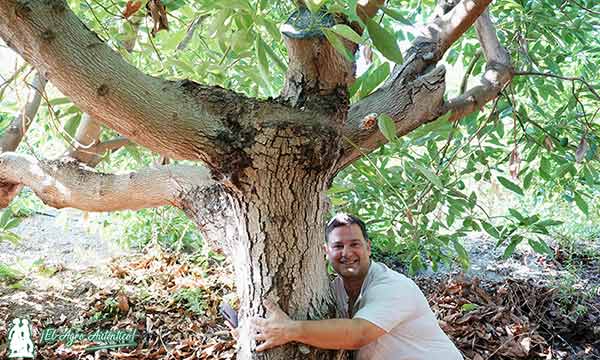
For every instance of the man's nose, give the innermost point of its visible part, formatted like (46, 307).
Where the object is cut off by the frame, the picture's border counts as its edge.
(346, 251)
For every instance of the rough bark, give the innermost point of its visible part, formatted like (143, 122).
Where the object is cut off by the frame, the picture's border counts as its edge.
(272, 228)
(20, 124)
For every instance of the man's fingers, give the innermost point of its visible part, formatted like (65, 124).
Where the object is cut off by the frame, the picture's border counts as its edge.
(257, 322)
(260, 337)
(270, 306)
(264, 346)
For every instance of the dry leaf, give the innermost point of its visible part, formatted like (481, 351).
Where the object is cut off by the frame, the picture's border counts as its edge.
(123, 303)
(514, 164)
(582, 149)
(548, 143)
(368, 54)
(131, 8)
(159, 16)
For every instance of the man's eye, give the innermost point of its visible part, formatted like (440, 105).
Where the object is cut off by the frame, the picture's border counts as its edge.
(337, 247)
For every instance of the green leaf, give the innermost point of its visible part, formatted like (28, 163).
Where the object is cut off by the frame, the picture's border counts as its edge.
(384, 42)
(7, 214)
(12, 223)
(581, 204)
(433, 179)
(314, 5)
(387, 127)
(540, 247)
(396, 15)
(373, 79)
(549, 222)
(516, 214)
(10, 237)
(510, 185)
(338, 44)
(463, 256)
(510, 249)
(347, 32)
(263, 64)
(490, 229)
(280, 64)
(469, 307)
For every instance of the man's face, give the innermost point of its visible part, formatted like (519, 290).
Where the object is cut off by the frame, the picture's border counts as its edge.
(348, 251)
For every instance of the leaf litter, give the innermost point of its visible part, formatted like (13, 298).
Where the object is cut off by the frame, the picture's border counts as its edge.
(173, 299)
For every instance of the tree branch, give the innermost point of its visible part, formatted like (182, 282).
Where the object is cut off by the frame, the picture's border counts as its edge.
(20, 124)
(567, 78)
(413, 94)
(63, 184)
(181, 119)
(498, 73)
(91, 156)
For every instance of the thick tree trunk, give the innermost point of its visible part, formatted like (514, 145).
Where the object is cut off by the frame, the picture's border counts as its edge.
(272, 227)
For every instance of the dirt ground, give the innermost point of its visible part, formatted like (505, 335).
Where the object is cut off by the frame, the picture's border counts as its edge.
(72, 276)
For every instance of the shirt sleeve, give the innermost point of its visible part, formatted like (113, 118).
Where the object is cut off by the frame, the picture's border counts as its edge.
(388, 304)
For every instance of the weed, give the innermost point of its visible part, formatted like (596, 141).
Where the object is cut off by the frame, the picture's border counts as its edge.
(193, 299)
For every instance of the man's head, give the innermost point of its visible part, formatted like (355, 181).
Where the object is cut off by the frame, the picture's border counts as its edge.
(347, 246)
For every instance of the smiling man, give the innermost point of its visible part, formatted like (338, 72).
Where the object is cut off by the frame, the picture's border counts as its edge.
(385, 315)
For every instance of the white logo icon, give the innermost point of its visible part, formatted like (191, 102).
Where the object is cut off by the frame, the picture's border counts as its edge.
(20, 344)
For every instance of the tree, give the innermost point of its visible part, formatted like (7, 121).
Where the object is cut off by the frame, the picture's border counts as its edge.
(261, 165)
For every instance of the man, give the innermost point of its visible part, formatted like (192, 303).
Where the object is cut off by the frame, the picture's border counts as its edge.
(385, 315)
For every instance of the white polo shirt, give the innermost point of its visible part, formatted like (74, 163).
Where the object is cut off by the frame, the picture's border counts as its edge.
(395, 303)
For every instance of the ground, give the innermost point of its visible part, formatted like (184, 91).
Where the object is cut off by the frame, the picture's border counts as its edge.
(526, 307)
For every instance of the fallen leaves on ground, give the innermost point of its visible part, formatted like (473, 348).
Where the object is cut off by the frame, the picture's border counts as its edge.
(172, 301)
(513, 319)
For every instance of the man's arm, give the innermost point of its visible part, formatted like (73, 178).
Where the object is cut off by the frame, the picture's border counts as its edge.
(278, 329)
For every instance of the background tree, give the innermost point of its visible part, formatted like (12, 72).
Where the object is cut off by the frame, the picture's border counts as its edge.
(268, 162)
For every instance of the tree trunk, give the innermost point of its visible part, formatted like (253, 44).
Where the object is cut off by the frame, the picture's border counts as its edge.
(274, 232)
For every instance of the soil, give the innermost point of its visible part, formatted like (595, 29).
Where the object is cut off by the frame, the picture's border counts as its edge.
(70, 272)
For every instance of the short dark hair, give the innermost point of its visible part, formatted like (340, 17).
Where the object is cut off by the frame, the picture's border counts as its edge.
(342, 219)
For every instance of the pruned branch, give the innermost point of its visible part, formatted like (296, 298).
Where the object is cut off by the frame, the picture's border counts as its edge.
(20, 124)
(413, 94)
(181, 119)
(63, 184)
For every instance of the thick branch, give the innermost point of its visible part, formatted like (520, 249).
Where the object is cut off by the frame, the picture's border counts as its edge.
(180, 119)
(497, 74)
(63, 184)
(20, 124)
(413, 94)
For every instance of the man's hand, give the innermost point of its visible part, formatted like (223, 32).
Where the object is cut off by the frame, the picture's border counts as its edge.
(275, 330)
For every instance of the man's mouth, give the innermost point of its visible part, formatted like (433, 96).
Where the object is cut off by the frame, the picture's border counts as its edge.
(350, 263)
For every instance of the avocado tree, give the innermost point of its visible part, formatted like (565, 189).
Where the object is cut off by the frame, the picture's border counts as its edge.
(259, 164)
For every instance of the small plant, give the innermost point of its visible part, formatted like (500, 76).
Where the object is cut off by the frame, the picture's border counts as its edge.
(9, 275)
(9, 221)
(193, 299)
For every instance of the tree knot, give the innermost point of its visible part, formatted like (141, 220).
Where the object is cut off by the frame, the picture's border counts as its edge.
(102, 90)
